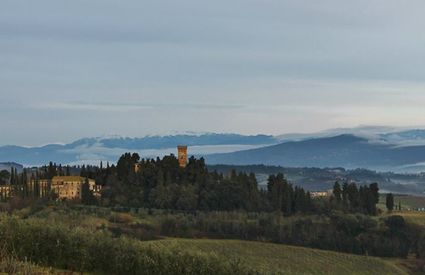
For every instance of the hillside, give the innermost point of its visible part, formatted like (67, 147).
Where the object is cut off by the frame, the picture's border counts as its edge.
(355, 148)
(346, 151)
(273, 258)
(322, 179)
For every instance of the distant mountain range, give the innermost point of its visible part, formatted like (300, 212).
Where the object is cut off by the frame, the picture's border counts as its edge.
(379, 148)
(346, 151)
(93, 150)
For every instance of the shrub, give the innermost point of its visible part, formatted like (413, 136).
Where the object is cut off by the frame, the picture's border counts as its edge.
(80, 250)
(121, 218)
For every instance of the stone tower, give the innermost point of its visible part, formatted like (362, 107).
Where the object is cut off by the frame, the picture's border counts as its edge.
(182, 155)
(137, 167)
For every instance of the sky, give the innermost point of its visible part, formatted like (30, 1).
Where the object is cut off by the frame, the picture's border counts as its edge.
(72, 69)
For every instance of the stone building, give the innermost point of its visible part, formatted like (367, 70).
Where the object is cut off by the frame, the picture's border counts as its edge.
(65, 187)
(321, 194)
(182, 155)
(5, 191)
(137, 167)
(70, 187)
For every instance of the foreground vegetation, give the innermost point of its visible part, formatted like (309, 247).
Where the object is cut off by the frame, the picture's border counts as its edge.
(80, 250)
(11, 265)
(98, 240)
(123, 231)
(95, 239)
(274, 258)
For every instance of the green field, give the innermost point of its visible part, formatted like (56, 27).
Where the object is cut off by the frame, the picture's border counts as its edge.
(266, 258)
(282, 259)
(414, 217)
(408, 202)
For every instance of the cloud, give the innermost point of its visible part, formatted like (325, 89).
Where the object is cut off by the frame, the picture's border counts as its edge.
(127, 106)
(249, 66)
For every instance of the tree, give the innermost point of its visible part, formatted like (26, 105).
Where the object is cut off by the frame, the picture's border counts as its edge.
(275, 191)
(390, 201)
(4, 177)
(125, 165)
(51, 170)
(345, 194)
(353, 196)
(187, 199)
(337, 192)
(375, 191)
(12, 176)
(87, 196)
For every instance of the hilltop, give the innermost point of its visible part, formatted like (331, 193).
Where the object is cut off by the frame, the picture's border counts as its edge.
(374, 148)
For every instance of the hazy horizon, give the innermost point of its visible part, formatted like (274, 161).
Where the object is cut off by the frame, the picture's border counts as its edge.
(367, 131)
(73, 69)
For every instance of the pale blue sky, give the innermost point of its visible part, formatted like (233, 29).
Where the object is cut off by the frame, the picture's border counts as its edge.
(71, 69)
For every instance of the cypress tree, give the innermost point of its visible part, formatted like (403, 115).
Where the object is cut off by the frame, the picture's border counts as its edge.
(389, 202)
(337, 192)
(87, 196)
(12, 176)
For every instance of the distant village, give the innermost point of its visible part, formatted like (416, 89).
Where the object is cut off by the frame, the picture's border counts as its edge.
(71, 187)
(60, 187)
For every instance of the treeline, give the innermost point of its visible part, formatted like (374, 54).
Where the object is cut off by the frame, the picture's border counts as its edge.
(343, 232)
(351, 198)
(34, 182)
(162, 184)
(24, 185)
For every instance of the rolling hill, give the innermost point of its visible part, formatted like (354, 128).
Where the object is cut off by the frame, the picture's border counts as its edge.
(374, 148)
(269, 258)
(346, 151)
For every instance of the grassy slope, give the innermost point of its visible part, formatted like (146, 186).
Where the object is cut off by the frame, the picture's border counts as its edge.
(10, 265)
(414, 217)
(265, 257)
(274, 258)
(407, 201)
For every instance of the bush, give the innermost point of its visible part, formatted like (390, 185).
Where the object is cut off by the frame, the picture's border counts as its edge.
(11, 265)
(80, 250)
(121, 218)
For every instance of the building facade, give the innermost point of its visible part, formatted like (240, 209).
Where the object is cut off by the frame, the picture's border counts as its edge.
(70, 187)
(321, 194)
(137, 167)
(182, 155)
(5, 192)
